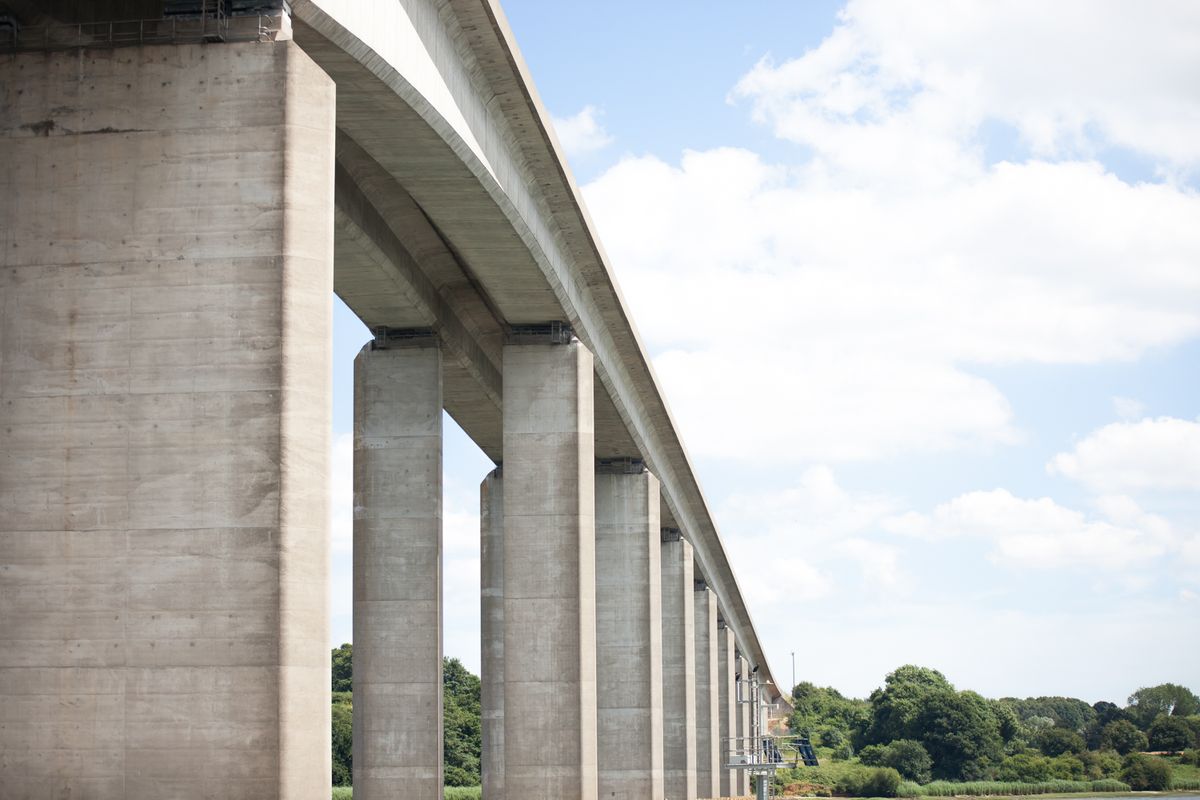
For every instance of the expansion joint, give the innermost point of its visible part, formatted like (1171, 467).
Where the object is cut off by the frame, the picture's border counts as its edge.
(540, 333)
(620, 466)
(399, 338)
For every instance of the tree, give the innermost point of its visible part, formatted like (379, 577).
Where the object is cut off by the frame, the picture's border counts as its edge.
(1123, 736)
(1170, 734)
(1167, 698)
(910, 759)
(896, 706)
(1146, 773)
(825, 710)
(960, 733)
(462, 732)
(1056, 741)
(343, 761)
(342, 668)
(1067, 712)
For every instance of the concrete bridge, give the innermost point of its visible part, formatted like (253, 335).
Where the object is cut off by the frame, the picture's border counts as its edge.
(180, 197)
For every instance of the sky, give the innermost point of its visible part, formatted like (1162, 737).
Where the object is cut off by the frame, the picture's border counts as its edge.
(921, 284)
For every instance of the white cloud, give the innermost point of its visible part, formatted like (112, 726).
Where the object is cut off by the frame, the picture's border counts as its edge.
(1041, 533)
(1128, 408)
(582, 133)
(341, 489)
(899, 87)
(1161, 453)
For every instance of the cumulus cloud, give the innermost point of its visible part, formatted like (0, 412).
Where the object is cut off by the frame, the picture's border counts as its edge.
(1161, 453)
(582, 133)
(1041, 533)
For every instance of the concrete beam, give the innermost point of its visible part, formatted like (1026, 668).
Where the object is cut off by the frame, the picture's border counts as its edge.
(629, 633)
(549, 573)
(398, 571)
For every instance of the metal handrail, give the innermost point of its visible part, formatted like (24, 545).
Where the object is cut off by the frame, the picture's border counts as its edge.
(215, 27)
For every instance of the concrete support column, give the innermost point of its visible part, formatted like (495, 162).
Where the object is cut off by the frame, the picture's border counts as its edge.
(398, 572)
(629, 633)
(679, 667)
(727, 724)
(708, 779)
(549, 573)
(166, 277)
(744, 713)
(491, 518)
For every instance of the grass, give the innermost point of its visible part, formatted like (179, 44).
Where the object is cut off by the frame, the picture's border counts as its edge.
(1011, 788)
(452, 793)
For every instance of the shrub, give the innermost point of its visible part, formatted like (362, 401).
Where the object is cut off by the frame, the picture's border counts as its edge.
(1190, 757)
(1056, 741)
(873, 755)
(1027, 767)
(908, 789)
(910, 759)
(843, 752)
(1146, 773)
(879, 782)
(1098, 765)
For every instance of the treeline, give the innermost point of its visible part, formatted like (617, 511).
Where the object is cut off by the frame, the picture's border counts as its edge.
(919, 725)
(460, 719)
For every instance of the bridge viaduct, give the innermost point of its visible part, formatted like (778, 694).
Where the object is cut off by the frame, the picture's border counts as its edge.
(180, 197)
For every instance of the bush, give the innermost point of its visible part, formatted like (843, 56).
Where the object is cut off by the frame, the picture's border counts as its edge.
(908, 789)
(1146, 773)
(1027, 767)
(1191, 757)
(1056, 741)
(843, 752)
(910, 759)
(1098, 765)
(873, 755)
(880, 782)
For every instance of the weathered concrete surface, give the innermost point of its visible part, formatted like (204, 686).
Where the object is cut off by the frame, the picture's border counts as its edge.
(549, 573)
(398, 572)
(629, 635)
(165, 288)
(727, 706)
(708, 779)
(679, 667)
(491, 576)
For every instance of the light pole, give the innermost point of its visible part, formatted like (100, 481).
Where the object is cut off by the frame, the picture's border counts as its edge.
(793, 670)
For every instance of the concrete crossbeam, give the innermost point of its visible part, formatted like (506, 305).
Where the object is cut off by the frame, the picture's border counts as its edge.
(398, 572)
(165, 312)
(629, 636)
(708, 778)
(727, 702)
(491, 519)
(549, 573)
(679, 667)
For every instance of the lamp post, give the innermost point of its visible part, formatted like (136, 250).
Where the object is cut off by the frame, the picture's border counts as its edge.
(793, 670)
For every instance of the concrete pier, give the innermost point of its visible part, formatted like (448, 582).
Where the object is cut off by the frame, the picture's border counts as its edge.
(165, 310)
(708, 779)
(744, 711)
(679, 667)
(491, 519)
(727, 702)
(398, 571)
(549, 573)
(629, 633)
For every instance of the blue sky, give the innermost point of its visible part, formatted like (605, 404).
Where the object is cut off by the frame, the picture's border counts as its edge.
(923, 290)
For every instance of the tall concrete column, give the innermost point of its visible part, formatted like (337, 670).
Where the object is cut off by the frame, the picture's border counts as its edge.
(398, 570)
(708, 778)
(745, 711)
(727, 724)
(629, 633)
(491, 518)
(549, 573)
(679, 666)
(166, 258)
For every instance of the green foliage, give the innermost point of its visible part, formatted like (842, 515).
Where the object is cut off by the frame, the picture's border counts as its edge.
(1101, 764)
(343, 764)
(464, 792)
(863, 782)
(1067, 712)
(343, 793)
(342, 668)
(960, 733)
(906, 756)
(1147, 703)
(827, 712)
(462, 739)
(1123, 736)
(1001, 788)
(896, 706)
(1146, 773)
(1190, 757)
(1056, 741)
(1029, 767)
(1171, 734)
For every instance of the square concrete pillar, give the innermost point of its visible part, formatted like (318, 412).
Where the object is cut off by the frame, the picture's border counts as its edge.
(549, 573)
(398, 572)
(744, 712)
(708, 778)
(629, 633)
(491, 575)
(679, 667)
(166, 276)
(727, 724)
